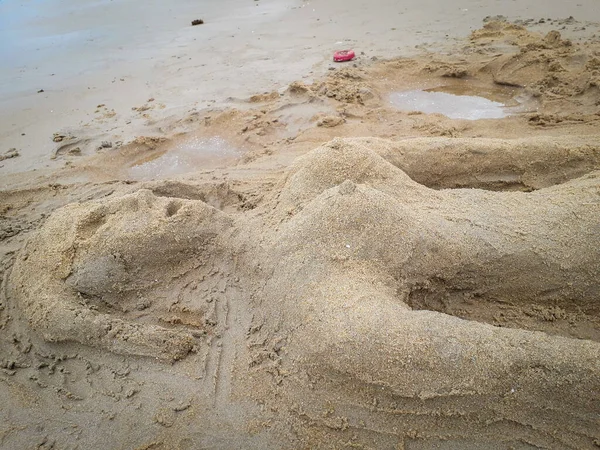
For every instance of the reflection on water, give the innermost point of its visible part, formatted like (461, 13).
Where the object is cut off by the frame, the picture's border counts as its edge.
(468, 107)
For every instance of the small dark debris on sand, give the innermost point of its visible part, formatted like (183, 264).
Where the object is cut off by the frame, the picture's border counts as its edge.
(197, 22)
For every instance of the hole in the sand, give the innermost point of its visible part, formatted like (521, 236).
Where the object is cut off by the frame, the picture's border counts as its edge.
(172, 208)
(89, 226)
(184, 157)
(219, 196)
(462, 100)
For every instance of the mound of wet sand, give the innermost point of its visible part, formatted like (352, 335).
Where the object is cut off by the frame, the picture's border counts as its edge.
(355, 305)
(115, 257)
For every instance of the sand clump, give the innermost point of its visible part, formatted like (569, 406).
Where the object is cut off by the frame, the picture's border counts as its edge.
(9, 154)
(346, 85)
(524, 164)
(549, 66)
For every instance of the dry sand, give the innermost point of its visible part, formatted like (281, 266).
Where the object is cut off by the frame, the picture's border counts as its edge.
(330, 272)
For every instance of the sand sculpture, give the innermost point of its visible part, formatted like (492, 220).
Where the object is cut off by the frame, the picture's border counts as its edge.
(353, 284)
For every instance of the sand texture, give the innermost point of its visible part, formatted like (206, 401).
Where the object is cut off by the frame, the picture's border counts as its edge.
(333, 272)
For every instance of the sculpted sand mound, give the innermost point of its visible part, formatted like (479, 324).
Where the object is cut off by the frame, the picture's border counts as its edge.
(380, 308)
(359, 261)
(97, 272)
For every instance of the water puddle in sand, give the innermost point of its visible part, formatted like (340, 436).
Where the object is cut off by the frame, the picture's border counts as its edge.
(457, 102)
(299, 116)
(187, 156)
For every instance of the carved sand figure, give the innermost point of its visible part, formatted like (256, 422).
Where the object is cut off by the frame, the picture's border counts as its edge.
(226, 272)
(398, 309)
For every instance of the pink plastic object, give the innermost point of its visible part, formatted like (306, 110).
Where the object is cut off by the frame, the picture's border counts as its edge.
(344, 55)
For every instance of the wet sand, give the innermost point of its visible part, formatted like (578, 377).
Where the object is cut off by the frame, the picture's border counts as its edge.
(118, 55)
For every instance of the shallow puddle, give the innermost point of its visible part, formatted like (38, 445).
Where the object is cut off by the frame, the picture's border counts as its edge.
(467, 107)
(187, 156)
(298, 116)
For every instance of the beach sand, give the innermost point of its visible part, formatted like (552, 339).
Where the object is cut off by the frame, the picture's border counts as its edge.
(215, 237)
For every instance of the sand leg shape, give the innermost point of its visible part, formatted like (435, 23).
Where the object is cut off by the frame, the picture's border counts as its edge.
(366, 263)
